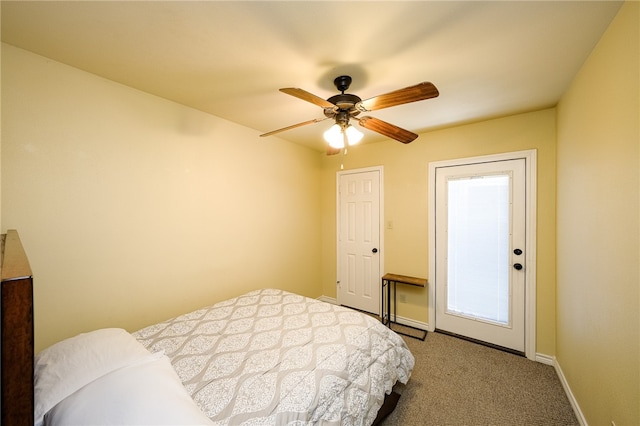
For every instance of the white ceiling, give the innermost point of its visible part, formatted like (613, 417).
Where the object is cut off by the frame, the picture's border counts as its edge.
(488, 59)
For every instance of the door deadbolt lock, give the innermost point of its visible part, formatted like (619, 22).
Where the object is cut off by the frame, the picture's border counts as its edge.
(517, 252)
(375, 250)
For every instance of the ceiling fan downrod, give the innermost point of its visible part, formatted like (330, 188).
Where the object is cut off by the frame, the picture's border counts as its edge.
(342, 83)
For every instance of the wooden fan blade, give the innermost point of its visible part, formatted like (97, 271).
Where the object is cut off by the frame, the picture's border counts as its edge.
(333, 151)
(317, 120)
(419, 92)
(387, 129)
(306, 96)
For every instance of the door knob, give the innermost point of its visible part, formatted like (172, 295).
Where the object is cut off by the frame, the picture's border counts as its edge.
(375, 250)
(518, 266)
(517, 252)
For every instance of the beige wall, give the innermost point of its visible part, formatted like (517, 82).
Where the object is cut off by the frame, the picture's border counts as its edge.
(405, 203)
(134, 209)
(598, 228)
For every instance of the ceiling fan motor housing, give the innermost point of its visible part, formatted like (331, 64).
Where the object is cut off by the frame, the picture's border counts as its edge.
(344, 102)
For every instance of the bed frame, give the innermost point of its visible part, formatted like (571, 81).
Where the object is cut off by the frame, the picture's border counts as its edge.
(16, 330)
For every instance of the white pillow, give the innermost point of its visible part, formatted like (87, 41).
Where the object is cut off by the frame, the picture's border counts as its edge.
(147, 393)
(65, 367)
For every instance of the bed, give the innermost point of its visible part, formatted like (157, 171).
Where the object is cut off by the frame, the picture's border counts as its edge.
(267, 357)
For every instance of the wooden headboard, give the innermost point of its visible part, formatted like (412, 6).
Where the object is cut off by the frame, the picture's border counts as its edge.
(16, 342)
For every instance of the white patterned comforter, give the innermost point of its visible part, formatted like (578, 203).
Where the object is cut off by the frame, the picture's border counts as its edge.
(271, 357)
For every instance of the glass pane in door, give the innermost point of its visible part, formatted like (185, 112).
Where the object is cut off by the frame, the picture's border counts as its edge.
(478, 247)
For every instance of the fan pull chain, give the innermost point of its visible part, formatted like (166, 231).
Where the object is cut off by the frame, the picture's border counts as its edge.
(344, 152)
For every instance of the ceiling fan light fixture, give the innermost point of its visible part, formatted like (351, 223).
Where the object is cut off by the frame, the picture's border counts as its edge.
(353, 135)
(335, 135)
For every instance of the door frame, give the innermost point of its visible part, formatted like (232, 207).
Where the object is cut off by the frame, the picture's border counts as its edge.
(339, 174)
(530, 157)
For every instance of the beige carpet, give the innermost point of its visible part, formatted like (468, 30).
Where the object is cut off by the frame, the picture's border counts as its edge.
(456, 382)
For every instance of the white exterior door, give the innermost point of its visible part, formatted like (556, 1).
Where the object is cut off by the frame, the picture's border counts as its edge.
(359, 248)
(480, 251)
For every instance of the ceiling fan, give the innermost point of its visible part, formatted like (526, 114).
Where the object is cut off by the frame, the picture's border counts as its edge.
(345, 106)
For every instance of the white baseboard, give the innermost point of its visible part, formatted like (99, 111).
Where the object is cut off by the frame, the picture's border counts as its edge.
(567, 390)
(400, 320)
(412, 323)
(328, 299)
(545, 359)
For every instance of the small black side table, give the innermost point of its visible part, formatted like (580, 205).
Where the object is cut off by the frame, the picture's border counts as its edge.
(393, 279)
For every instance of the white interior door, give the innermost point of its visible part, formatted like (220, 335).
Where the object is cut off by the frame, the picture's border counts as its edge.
(480, 229)
(359, 248)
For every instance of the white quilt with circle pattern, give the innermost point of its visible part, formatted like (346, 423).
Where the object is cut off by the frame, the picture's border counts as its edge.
(271, 357)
